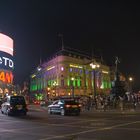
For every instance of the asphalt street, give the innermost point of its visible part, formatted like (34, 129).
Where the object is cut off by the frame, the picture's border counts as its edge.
(90, 125)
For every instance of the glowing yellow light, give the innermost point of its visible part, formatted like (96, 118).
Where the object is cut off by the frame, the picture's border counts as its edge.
(94, 65)
(76, 66)
(49, 68)
(33, 76)
(106, 72)
(54, 83)
(48, 88)
(72, 78)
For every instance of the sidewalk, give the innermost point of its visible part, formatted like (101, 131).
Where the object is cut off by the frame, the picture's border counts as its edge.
(111, 111)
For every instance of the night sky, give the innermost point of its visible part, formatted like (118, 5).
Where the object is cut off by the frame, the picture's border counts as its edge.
(111, 29)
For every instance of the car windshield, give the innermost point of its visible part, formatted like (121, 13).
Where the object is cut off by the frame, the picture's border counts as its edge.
(17, 100)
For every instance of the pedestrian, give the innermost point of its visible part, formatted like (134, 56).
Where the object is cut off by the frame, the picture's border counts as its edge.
(121, 103)
(89, 103)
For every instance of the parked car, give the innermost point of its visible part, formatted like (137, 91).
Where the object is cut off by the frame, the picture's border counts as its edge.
(14, 105)
(64, 107)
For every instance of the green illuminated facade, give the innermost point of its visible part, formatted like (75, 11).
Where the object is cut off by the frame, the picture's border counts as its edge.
(69, 73)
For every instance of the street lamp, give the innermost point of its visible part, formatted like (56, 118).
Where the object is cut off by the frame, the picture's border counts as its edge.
(48, 93)
(130, 83)
(94, 66)
(72, 88)
(130, 79)
(55, 87)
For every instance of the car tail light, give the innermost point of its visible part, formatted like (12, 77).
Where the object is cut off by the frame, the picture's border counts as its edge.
(80, 105)
(67, 106)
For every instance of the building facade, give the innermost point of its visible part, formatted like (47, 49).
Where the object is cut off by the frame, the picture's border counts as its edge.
(69, 74)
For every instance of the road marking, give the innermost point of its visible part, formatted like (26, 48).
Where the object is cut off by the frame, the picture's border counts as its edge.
(131, 129)
(125, 124)
(86, 121)
(92, 130)
(8, 121)
(7, 130)
(22, 132)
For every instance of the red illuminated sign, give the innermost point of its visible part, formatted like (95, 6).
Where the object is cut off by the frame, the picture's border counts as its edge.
(6, 77)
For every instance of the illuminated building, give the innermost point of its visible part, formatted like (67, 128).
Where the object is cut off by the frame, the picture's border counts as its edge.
(67, 73)
(6, 65)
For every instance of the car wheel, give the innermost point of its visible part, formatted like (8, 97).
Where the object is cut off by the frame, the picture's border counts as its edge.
(62, 112)
(49, 111)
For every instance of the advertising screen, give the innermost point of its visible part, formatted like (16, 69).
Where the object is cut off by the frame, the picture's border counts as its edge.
(6, 44)
(6, 61)
(6, 76)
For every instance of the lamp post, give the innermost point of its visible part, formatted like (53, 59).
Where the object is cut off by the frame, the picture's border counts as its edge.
(94, 66)
(130, 83)
(55, 87)
(48, 93)
(72, 88)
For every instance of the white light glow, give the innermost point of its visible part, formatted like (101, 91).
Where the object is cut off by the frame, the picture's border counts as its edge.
(6, 44)
(130, 79)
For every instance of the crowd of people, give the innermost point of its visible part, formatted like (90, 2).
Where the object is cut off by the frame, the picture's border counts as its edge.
(103, 102)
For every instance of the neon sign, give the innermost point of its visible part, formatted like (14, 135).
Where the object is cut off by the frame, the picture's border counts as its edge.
(6, 44)
(6, 62)
(6, 76)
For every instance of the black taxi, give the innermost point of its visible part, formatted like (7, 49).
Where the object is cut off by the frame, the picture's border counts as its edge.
(14, 105)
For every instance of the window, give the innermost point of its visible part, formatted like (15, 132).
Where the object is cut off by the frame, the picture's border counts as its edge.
(70, 69)
(55, 103)
(76, 83)
(17, 100)
(62, 82)
(71, 82)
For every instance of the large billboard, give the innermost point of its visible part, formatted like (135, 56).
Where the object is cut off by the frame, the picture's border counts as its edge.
(6, 76)
(6, 59)
(6, 44)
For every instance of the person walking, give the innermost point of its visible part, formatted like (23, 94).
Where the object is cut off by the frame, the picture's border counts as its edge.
(89, 104)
